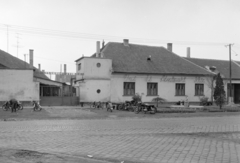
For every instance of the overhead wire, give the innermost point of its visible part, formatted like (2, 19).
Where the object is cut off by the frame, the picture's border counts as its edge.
(78, 35)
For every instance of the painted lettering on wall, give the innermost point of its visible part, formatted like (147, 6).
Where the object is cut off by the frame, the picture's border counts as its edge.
(199, 80)
(149, 78)
(172, 79)
(130, 78)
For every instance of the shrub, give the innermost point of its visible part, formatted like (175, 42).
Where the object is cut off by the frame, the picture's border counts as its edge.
(204, 101)
(137, 98)
(158, 100)
(219, 92)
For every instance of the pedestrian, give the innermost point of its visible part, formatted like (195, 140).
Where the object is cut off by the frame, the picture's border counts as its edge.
(109, 106)
(13, 104)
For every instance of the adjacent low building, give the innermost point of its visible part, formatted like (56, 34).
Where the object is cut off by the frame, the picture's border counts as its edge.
(223, 67)
(117, 71)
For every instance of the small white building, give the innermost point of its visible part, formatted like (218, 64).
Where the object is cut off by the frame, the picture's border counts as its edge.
(117, 71)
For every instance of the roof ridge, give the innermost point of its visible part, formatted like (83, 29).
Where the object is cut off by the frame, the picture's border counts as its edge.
(139, 44)
(206, 59)
(189, 61)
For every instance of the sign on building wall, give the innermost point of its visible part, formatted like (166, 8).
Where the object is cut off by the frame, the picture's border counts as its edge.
(172, 79)
(129, 78)
(199, 80)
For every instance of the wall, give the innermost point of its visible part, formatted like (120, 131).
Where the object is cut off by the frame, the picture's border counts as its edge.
(59, 101)
(18, 84)
(92, 71)
(88, 91)
(97, 76)
(166, 87)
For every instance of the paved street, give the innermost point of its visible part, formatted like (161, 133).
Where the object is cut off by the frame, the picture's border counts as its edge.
(182, 140)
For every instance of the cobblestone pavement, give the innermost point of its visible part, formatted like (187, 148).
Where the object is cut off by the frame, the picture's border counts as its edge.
(182, 140)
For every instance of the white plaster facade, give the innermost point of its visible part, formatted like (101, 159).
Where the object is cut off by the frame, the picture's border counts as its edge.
(18, 84)
(96, 73)
(91, 78)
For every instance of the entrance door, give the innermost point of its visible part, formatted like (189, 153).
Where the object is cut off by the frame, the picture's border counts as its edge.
(236, 93)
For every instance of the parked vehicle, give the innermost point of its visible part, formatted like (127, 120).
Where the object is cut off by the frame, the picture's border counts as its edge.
(8, 106)
(36, 106)
(97, 105)
(146, 108)
(19, 106)
(109, 106)
(127, 106)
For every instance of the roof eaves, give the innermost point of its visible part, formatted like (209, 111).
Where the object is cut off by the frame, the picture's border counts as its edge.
(146, 73)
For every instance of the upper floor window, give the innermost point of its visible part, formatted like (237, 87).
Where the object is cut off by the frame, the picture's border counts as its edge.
(180, 89)
(129, 88)
(199, 89)
(79, 66)
(152, 89)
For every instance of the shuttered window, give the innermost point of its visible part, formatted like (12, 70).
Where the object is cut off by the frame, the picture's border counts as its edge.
(180, 89)
(199, 89)
(129, 88)
(152, 89)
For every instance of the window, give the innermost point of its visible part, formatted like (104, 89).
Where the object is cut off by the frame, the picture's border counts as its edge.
(180, 89)
(199, 89)
(129, 88)
(79, 66)
(152, 89)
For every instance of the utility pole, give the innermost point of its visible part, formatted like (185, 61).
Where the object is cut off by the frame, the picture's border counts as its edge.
(230, 74)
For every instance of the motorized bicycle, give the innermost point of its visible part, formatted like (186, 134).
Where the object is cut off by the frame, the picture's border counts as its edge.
(8, 106)
(36, 106)
(146, 108)
(127, 106)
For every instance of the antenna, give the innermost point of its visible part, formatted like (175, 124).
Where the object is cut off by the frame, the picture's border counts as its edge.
(17, 46)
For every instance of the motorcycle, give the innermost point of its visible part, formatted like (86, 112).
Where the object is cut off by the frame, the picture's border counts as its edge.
(36, 106)
(127, 106)
(146, 108)
(8, 106)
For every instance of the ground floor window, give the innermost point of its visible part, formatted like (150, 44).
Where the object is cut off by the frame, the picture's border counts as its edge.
(199, 89)
(129, 88)
(180, 89)
(152, 89)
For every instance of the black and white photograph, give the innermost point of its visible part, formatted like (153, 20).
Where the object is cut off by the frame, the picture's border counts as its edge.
(119, 81)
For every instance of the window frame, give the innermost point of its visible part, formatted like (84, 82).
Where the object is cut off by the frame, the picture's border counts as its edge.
(152, 89)
(197, 93)
(79, 66)
(178, 92)
(129, 88)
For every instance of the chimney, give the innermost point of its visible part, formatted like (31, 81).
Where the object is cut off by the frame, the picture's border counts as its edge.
(188, 52)
(126, 42)
(31, 58)
(103, 43)
(39, 67)
(169, 47)
(149, 58)
(98, 49)
(65, 68)
(212, 68)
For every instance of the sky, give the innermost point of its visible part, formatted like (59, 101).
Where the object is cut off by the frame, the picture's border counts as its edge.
(61, 31)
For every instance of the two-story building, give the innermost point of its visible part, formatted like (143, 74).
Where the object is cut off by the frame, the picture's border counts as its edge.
(117, 71)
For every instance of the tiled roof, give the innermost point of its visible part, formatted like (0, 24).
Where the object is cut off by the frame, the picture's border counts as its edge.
(221, 65)
(133, 59)
(9, 61)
